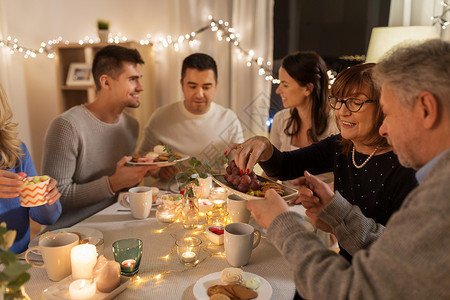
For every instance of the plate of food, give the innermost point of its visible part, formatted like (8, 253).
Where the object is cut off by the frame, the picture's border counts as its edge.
(256, 191)
(60, 290)
(161, 156)
(87, 235)
(243, 285)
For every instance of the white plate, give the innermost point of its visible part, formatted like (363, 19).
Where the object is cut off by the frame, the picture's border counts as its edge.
(60, 290)
(202, 285)
(158, 163)
(288, 191)
(84, 231)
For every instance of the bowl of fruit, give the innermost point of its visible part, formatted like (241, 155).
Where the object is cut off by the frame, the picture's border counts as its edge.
(250, 186)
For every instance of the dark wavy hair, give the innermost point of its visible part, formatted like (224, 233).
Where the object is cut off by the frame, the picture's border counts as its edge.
(354, 79)
(109, 61)
(308, 67)
(199, 61)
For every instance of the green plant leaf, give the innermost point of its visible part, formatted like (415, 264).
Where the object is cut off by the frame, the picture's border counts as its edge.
(7, 257)
(19, 281)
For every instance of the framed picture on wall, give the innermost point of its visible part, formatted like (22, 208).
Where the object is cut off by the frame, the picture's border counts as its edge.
(79, 74)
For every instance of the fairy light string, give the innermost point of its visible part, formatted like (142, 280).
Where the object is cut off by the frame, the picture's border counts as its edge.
(441, 19)
(223, 30)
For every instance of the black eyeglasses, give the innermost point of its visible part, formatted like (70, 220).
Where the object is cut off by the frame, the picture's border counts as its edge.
(352, 104)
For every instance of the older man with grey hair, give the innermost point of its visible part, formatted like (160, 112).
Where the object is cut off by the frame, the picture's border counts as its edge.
(409, 258)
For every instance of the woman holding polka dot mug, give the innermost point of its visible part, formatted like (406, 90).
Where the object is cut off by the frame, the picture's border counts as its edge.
(366, 171)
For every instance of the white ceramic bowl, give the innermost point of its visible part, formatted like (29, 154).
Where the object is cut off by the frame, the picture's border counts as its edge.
(213, 237)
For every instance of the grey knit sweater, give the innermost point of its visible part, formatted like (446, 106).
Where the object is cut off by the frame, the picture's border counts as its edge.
(410, 260)
(81, 152)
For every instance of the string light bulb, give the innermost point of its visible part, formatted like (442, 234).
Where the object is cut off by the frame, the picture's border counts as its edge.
(223, 29)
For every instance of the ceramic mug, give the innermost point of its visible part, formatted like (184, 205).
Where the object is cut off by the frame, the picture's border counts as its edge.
(139, 200)
(55, 250)
(237, 209)
(239, 241)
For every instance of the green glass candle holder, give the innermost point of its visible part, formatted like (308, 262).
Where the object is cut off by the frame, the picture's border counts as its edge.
(128, 253)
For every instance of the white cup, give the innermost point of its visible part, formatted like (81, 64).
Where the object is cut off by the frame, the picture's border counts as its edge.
(239, 241)
(205, 185)
(140, 201)
(237, 209)
(55, 250)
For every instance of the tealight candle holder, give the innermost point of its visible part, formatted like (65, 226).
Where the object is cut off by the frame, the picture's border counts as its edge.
(218, 194)
(188, 249)
(82, 289)
(218, 218)
(165, 214)
(128, 253)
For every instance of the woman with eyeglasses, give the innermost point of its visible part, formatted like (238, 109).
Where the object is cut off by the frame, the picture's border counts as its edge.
(307, 117)
(366, 171)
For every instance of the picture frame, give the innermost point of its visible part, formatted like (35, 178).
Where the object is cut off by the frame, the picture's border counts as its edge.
(79, 75)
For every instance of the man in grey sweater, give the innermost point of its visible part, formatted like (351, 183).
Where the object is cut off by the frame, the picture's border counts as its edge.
(87, 147)
(410, 257)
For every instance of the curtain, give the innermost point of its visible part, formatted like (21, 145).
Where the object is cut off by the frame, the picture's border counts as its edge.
(240, 88)
(417, 13)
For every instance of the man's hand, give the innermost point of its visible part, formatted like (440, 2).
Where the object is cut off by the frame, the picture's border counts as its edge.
(125, 177)
(10, 184)
(264, 211)
(53, 193)
(314, 195)
(313, 192)
(168, 172)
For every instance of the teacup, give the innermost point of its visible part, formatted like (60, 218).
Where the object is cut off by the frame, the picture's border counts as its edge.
(237, 209)
(140, 201)
(240, 239)
(55, 250)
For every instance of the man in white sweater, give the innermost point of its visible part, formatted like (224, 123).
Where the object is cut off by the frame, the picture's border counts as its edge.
(195, 126)
(87, 147)
(409, 258)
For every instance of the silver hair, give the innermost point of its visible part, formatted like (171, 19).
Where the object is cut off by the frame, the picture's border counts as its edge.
(411, 69)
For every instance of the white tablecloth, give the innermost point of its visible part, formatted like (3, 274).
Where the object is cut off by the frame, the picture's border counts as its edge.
(158, 243)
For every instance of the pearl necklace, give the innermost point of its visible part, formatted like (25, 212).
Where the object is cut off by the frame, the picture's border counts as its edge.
(365, 162)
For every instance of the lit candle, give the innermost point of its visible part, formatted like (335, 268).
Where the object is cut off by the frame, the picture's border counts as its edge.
(128, 263)
(82, 289)
(83, 258)
(188, 256)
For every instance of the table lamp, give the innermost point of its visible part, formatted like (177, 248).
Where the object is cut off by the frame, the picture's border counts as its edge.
(383, 39)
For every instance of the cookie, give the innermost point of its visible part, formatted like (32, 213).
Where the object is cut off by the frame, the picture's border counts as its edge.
(243, 293)
(219, 289)
(219, 297)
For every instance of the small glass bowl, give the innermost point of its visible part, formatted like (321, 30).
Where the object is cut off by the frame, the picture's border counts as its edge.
(166, 215)
(188, 249)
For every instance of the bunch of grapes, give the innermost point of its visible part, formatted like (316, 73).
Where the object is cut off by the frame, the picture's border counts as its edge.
(242, 183)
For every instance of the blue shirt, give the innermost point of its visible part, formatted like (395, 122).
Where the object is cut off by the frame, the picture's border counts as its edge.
(422, 172)
(17, 217)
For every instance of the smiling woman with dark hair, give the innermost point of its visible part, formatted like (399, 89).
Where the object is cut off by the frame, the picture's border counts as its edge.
(366, 171)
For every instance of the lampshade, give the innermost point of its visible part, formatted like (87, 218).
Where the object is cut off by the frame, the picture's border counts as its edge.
(383, 39)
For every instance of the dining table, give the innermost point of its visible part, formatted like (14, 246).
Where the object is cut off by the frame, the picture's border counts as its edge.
(161, 274)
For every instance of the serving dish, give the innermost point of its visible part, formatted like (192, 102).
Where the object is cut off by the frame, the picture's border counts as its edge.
(289, 192)
(60, 290)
